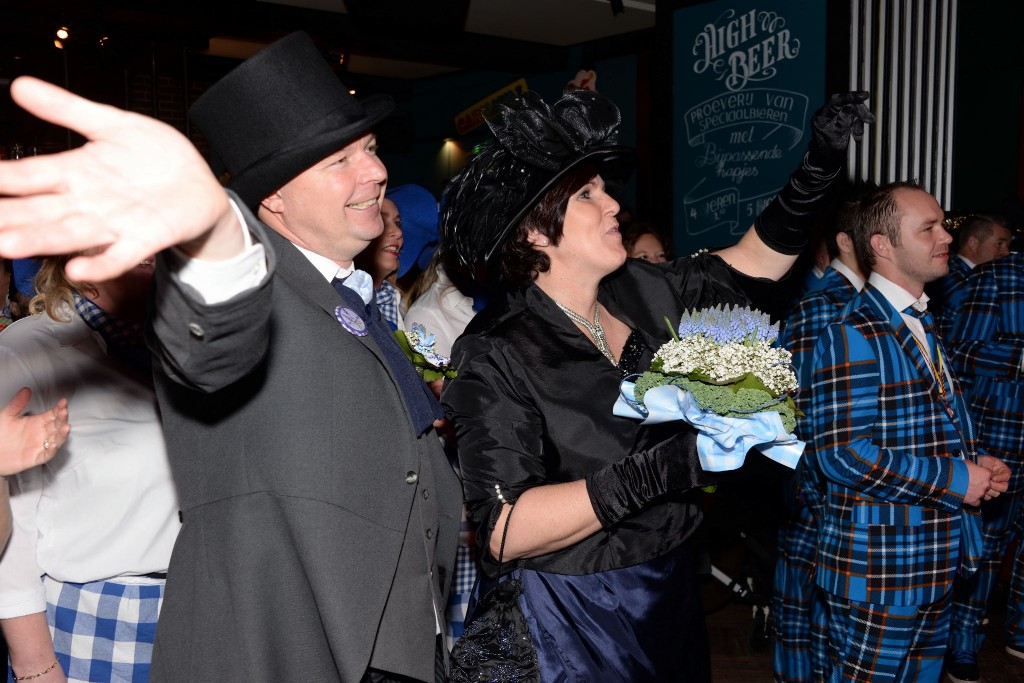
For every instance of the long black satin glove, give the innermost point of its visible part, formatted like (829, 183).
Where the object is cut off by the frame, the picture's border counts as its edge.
(663, 459)
(785, 224)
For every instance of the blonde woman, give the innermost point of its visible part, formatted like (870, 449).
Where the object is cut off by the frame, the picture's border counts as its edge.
(94, 526)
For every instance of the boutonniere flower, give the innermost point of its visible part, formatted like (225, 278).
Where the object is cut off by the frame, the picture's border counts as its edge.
(418, 346)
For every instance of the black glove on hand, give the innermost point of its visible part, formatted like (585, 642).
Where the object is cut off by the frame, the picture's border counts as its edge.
(785, 224)
(664, 459)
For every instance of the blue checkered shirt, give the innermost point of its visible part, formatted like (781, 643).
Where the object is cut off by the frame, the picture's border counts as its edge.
(389, 300)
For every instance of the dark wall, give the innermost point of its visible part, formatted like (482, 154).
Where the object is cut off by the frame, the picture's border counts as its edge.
(437, 150)
(987, 132)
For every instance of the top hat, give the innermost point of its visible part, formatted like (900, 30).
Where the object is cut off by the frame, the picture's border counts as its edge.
(535, 146)
(278, 113)
(418, 209)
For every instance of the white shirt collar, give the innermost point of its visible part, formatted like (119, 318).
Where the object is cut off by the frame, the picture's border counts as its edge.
(328, 268)
(848, 273)
(971, 264)
(356, 280)
(896, 295)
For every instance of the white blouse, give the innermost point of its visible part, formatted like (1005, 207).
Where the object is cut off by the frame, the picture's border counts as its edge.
(105, 506)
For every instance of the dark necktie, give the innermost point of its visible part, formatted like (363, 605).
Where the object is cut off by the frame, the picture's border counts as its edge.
(423, 407)
(928, 323)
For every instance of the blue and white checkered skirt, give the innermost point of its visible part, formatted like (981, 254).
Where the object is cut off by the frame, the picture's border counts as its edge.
(103, 631)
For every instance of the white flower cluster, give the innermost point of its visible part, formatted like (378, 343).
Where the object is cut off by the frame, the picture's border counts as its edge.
(729, 362)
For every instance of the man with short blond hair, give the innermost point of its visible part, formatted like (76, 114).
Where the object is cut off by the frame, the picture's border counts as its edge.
(896, 452)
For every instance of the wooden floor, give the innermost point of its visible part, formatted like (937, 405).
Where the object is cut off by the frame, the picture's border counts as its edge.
(733, 660)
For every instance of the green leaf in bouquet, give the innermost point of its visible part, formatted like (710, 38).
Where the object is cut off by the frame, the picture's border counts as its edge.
(699, 375)
(430, 374)
(752, 381)
(671, 329)
(403, 342)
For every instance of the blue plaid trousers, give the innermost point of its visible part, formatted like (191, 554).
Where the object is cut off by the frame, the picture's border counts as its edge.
(874, 643)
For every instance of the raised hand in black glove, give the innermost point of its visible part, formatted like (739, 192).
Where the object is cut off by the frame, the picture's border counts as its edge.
(785, 224)
(663, 459)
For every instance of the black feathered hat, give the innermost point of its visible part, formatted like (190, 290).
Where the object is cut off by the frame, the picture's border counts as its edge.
(535, 146)
(278, 113)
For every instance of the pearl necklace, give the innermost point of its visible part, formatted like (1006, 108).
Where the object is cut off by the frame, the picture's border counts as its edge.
(594, 328)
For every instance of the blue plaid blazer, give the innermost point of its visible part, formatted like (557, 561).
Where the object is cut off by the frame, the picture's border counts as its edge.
(986, 344)
(801, 329)
(891, 458)
(947, 293)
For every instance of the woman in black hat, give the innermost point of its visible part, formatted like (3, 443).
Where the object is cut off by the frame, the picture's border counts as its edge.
(601, 511)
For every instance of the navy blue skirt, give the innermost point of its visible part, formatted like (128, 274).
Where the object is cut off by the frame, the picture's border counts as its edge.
(640, 624)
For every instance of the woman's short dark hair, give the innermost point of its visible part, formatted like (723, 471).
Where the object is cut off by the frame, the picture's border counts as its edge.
(520, 261)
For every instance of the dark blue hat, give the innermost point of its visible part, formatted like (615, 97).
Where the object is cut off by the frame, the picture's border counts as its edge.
(420, 235)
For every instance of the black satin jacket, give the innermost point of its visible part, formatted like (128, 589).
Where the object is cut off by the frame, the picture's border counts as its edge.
(532, 403)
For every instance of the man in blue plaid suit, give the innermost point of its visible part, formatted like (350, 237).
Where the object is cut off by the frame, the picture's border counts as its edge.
(986, 345)
(800, 633)
(981, 239)
(895, 447)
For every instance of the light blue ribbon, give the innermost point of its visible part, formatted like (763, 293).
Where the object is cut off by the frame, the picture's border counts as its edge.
(722, 442)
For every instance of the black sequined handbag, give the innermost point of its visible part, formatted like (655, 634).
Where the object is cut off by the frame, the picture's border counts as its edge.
(496, 646)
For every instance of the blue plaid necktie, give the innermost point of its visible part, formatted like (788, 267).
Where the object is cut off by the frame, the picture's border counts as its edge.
(423, 407)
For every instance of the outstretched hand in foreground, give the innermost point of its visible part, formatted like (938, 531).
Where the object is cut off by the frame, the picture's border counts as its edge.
(136, 187)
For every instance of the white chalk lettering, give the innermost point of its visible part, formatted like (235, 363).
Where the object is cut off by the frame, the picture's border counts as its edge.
(744, 49)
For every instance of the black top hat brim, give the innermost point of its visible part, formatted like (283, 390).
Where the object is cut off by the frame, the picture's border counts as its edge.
(268, 174)
(613, 162)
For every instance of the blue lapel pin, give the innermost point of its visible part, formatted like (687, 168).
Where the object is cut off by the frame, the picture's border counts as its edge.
(350, 320)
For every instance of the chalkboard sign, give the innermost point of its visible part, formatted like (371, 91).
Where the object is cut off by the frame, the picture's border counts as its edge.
(747, 77)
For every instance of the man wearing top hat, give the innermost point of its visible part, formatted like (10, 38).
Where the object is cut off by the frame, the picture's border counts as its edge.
(320, 517)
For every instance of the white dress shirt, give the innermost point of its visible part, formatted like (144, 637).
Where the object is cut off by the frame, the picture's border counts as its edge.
(443, 311)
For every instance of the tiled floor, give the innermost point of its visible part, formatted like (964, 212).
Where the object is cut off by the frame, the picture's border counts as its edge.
(733, 660)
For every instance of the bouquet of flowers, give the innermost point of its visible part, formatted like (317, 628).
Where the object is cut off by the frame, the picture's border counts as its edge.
(721, 374)
(419, 347)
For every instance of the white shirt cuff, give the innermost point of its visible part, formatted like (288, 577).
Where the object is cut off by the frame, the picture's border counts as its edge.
(218, 281)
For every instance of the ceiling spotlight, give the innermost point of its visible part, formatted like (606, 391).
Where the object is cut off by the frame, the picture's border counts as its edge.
(352, 91)
(58, 44)
(104, 40)
(62, 33)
